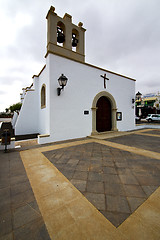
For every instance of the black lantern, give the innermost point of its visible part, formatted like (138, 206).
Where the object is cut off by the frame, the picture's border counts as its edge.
(74, 40)
(60, 35)
(138, 95)
(62, 82)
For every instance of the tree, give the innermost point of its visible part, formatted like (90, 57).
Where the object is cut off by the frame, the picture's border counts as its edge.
(14, 107)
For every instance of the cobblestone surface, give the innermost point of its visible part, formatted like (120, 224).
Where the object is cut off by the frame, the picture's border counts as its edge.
(139, 141)
(116, 182)
(20, 217)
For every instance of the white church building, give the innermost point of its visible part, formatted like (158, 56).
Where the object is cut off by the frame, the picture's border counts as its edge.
(70, 98)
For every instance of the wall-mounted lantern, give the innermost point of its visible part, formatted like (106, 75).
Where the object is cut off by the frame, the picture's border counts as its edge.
(138, 95)
(133, 100)
(62, 82)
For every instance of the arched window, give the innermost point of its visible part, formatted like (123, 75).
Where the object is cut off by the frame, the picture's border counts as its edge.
(43, 96)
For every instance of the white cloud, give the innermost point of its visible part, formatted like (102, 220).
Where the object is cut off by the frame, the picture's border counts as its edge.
(10, 26)
(122, 36)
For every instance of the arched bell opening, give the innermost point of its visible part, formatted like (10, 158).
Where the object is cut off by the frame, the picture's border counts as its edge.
(75, 40)
(60, 34)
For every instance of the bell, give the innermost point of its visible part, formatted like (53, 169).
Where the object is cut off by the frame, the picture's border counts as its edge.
(60, 35)
(74, 41)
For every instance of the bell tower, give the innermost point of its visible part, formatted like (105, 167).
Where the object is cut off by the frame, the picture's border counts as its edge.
(64, 38)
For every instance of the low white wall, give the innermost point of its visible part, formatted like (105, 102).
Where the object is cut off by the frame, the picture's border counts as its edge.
(5, 120)
(10, 146)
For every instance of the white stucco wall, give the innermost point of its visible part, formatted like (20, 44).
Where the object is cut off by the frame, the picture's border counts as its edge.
(63, 117)
(33, 118)
(43, 113)
(28, 116)
(67, 119)
(14, 119)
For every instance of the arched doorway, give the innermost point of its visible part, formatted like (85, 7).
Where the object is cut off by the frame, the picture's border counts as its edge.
(103, 115)
(113, 110)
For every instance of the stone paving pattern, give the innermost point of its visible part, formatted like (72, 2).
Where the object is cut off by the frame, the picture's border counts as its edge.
(154, 131)
(20, 217)
(116, 182)
(139, 141)
(122, 181)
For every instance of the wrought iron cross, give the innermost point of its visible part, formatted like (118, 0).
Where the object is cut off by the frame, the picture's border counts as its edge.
(105, 78)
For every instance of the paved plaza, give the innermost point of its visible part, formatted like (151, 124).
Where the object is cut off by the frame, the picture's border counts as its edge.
(106, 187)
(116, 182)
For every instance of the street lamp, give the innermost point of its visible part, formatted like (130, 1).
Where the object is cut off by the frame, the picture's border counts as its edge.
(62, 82)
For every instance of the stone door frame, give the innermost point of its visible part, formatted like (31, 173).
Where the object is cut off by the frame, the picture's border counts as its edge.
(113, 111)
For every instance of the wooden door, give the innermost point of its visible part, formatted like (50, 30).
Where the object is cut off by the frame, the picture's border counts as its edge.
(103, 115)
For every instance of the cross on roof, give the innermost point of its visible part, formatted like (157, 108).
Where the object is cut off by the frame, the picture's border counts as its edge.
(105, 78)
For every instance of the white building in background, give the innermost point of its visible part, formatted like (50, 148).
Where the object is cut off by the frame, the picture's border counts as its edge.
(94, 99)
